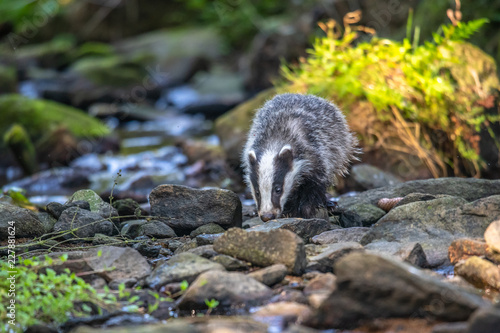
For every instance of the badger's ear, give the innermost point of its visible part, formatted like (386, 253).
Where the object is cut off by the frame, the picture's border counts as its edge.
(286, 154)
(252, 157)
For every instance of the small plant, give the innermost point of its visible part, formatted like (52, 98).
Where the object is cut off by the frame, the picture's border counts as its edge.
(42, 296)
(184, 285)
(406, 98)
(211, 304)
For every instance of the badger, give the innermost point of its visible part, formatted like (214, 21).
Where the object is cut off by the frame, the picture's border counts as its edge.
(296, 147)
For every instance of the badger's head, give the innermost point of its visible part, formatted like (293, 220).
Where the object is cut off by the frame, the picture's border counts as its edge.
(272, 176)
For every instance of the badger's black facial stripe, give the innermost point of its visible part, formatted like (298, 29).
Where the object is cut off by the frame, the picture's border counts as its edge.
(282, 165)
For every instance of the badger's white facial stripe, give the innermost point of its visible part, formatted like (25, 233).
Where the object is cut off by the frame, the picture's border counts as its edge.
(293, 178)
(266, 173)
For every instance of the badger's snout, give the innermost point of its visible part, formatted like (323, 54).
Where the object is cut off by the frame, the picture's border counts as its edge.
(267, 216)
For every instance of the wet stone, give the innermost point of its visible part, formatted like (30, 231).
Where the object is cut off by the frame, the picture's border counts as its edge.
(86, 223)
(360, 215)
(291, 311)
(207, 239)
(230, 263)
(479, 272)
(205, 251)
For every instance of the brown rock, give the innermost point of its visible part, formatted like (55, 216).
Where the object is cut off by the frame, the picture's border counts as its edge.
(464, 248)
(324, 261)
(270, 275)
(480, 272)
(492, 235)
(318, 289)
(294, 312)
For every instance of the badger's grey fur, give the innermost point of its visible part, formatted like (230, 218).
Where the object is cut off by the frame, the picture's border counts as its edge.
(295, 148)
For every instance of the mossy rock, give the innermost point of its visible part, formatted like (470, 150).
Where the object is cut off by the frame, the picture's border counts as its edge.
(8, 79)
(232, 127)
(112, 70)
(40, 116)
(53, 54)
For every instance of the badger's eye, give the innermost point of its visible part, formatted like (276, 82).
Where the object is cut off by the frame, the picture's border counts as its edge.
(257, 193)
(277, 189)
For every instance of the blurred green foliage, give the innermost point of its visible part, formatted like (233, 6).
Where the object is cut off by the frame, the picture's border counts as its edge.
(411, 89)
(22, 12)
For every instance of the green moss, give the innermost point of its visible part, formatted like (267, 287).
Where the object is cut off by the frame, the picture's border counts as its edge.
(8, 79)
(401, 94)
(40, 116)
(19, 143)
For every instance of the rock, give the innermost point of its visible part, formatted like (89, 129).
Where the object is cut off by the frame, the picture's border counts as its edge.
(185, 209)
(28, 113)
(414, 197)
(484, 320)
(127, 263)
(410, 252)
(126, 209)
(340, 235)
(21, 148)
(364, 177)
(26, 223)
(229, 288)
(479, 272)
(371, 286)
(360, 215)
(183, 266)
(492, 236)
(230, 263)
(325, 260)
(467, 188)
(137, 228)
(86, 223)
(148, 249)
(210, 228)
(47, 220)
(464, 248)
(304, 228)
(270, 275)
(207, 239)
(459, 327)
(252, 222)
(232, 127)
(318, 289)
(436, 223)
(100, 239)
(97, 205)
(264, 248)
(205, 251)
(55, 209)
(293, 312)
(190, 244)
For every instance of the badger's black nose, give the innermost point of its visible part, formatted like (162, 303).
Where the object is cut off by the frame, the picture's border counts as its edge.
(267, 216)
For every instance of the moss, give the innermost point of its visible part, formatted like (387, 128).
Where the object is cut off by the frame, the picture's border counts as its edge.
(40, 116)
(8, 79)
(19, 143)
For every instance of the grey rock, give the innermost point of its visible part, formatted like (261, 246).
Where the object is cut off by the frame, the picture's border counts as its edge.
(269, 275)
(153, 228)
(100, 239)
(264, 248)
(230, 263)
(414, 197)
(205, 251)
(329, 255)
(486, 320)
(183, 266)
(55, 209)
(436, 223)
(86, 223)
(148, 249)
(340, 235)
(186, 246)
(210, 228)
(97, 205)
(371, 286)
(410, 252)
(26, 223)
(207, 239)
(459, 327)
(466, 188)
(360, 215)
(252, 222)
(366, 177)
(304, 228)
(126, 262)
(126, 209)
(229, 288)
(185, 209)
(47, 220)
